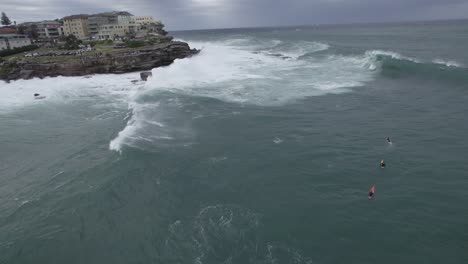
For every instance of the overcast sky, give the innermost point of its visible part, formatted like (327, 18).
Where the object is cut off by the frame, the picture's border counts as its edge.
(196, 14)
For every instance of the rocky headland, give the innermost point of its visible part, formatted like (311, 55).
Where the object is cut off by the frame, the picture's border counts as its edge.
(117, 61)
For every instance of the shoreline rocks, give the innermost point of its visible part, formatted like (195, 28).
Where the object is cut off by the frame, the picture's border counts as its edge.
(144, 75)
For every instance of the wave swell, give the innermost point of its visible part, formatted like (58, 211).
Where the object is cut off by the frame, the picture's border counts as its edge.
(394, 65)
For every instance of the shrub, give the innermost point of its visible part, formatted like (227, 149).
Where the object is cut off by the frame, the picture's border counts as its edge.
(9, 52)
(106, 42)
(135, 43)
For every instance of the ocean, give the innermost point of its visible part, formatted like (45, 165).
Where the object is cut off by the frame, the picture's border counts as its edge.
(261, 149)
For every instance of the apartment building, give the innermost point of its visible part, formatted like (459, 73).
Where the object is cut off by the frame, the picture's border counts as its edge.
(143, 20)
(111, 24)
(76, 25)
(98, 20)
(108, 25)
(112, 31)
(49, 29)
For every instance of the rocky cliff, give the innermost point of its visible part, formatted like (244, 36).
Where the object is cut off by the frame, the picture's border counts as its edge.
(119, 61)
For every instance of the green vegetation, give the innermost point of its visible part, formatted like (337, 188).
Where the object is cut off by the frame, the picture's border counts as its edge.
(33, 32)
(9, 52)
(21, 29)
(135, 43)
(5, 20)
(106, 42)
(72, 42)
(6, 69)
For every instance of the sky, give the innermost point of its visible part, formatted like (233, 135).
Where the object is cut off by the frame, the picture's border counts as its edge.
(205, 14)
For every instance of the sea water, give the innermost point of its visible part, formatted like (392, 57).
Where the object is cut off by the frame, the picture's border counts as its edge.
(261, 149)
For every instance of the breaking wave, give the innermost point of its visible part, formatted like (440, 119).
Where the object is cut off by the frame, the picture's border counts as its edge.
(259, 72)
(265, 72)
(233, 71)
(394, 65)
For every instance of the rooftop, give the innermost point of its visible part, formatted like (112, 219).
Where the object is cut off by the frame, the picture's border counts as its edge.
(80, 16)
(113, 13)
(6, 30)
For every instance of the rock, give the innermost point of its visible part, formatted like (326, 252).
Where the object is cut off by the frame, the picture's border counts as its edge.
(144, 75)
(26, 74)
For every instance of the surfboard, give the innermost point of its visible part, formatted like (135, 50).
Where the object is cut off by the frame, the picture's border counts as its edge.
(372, 190)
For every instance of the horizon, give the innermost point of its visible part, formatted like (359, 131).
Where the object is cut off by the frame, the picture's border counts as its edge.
(383, 23)
(181, 15)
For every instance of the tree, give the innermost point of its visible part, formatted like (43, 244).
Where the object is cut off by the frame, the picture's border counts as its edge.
(5, 20)
(21, 29)
(72, 42)
(34, 32)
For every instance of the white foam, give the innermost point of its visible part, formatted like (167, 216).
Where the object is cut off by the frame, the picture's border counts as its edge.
(277, 140)
(393, 55)
(298, 49)
(137, 121)
(238, 75)
(123, 136)
(19, 94)
(448, 63)
(232, 71)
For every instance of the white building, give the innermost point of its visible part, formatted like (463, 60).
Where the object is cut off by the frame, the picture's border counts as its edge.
(143, 20)
(11, 41)
(3, 44)
(125, 25)
(111, 31)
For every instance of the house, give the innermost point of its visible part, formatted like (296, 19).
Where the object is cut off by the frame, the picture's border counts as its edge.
(11, 41)
(7, 30)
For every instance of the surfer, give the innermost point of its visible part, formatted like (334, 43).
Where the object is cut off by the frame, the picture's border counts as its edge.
(371, 192)
(382, 164)
(38, 96)
(388, 140)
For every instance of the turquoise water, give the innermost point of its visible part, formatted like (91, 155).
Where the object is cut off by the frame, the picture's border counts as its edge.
(262, 149)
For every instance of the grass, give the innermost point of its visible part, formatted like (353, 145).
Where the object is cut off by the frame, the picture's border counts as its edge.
(101, 47)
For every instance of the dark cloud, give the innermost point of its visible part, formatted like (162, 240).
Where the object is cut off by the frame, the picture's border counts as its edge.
(189, 14)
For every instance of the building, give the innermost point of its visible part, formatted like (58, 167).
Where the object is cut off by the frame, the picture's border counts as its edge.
(11, 41)
(143, 20)
(49, 29)
(3, 44)
(108, 25)
(76, 25)
(7, 30)
(112, 31)
(111, 24)
(123, 25)
(98, 20)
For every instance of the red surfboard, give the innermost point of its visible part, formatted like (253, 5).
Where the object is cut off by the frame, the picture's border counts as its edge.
(372, 192)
